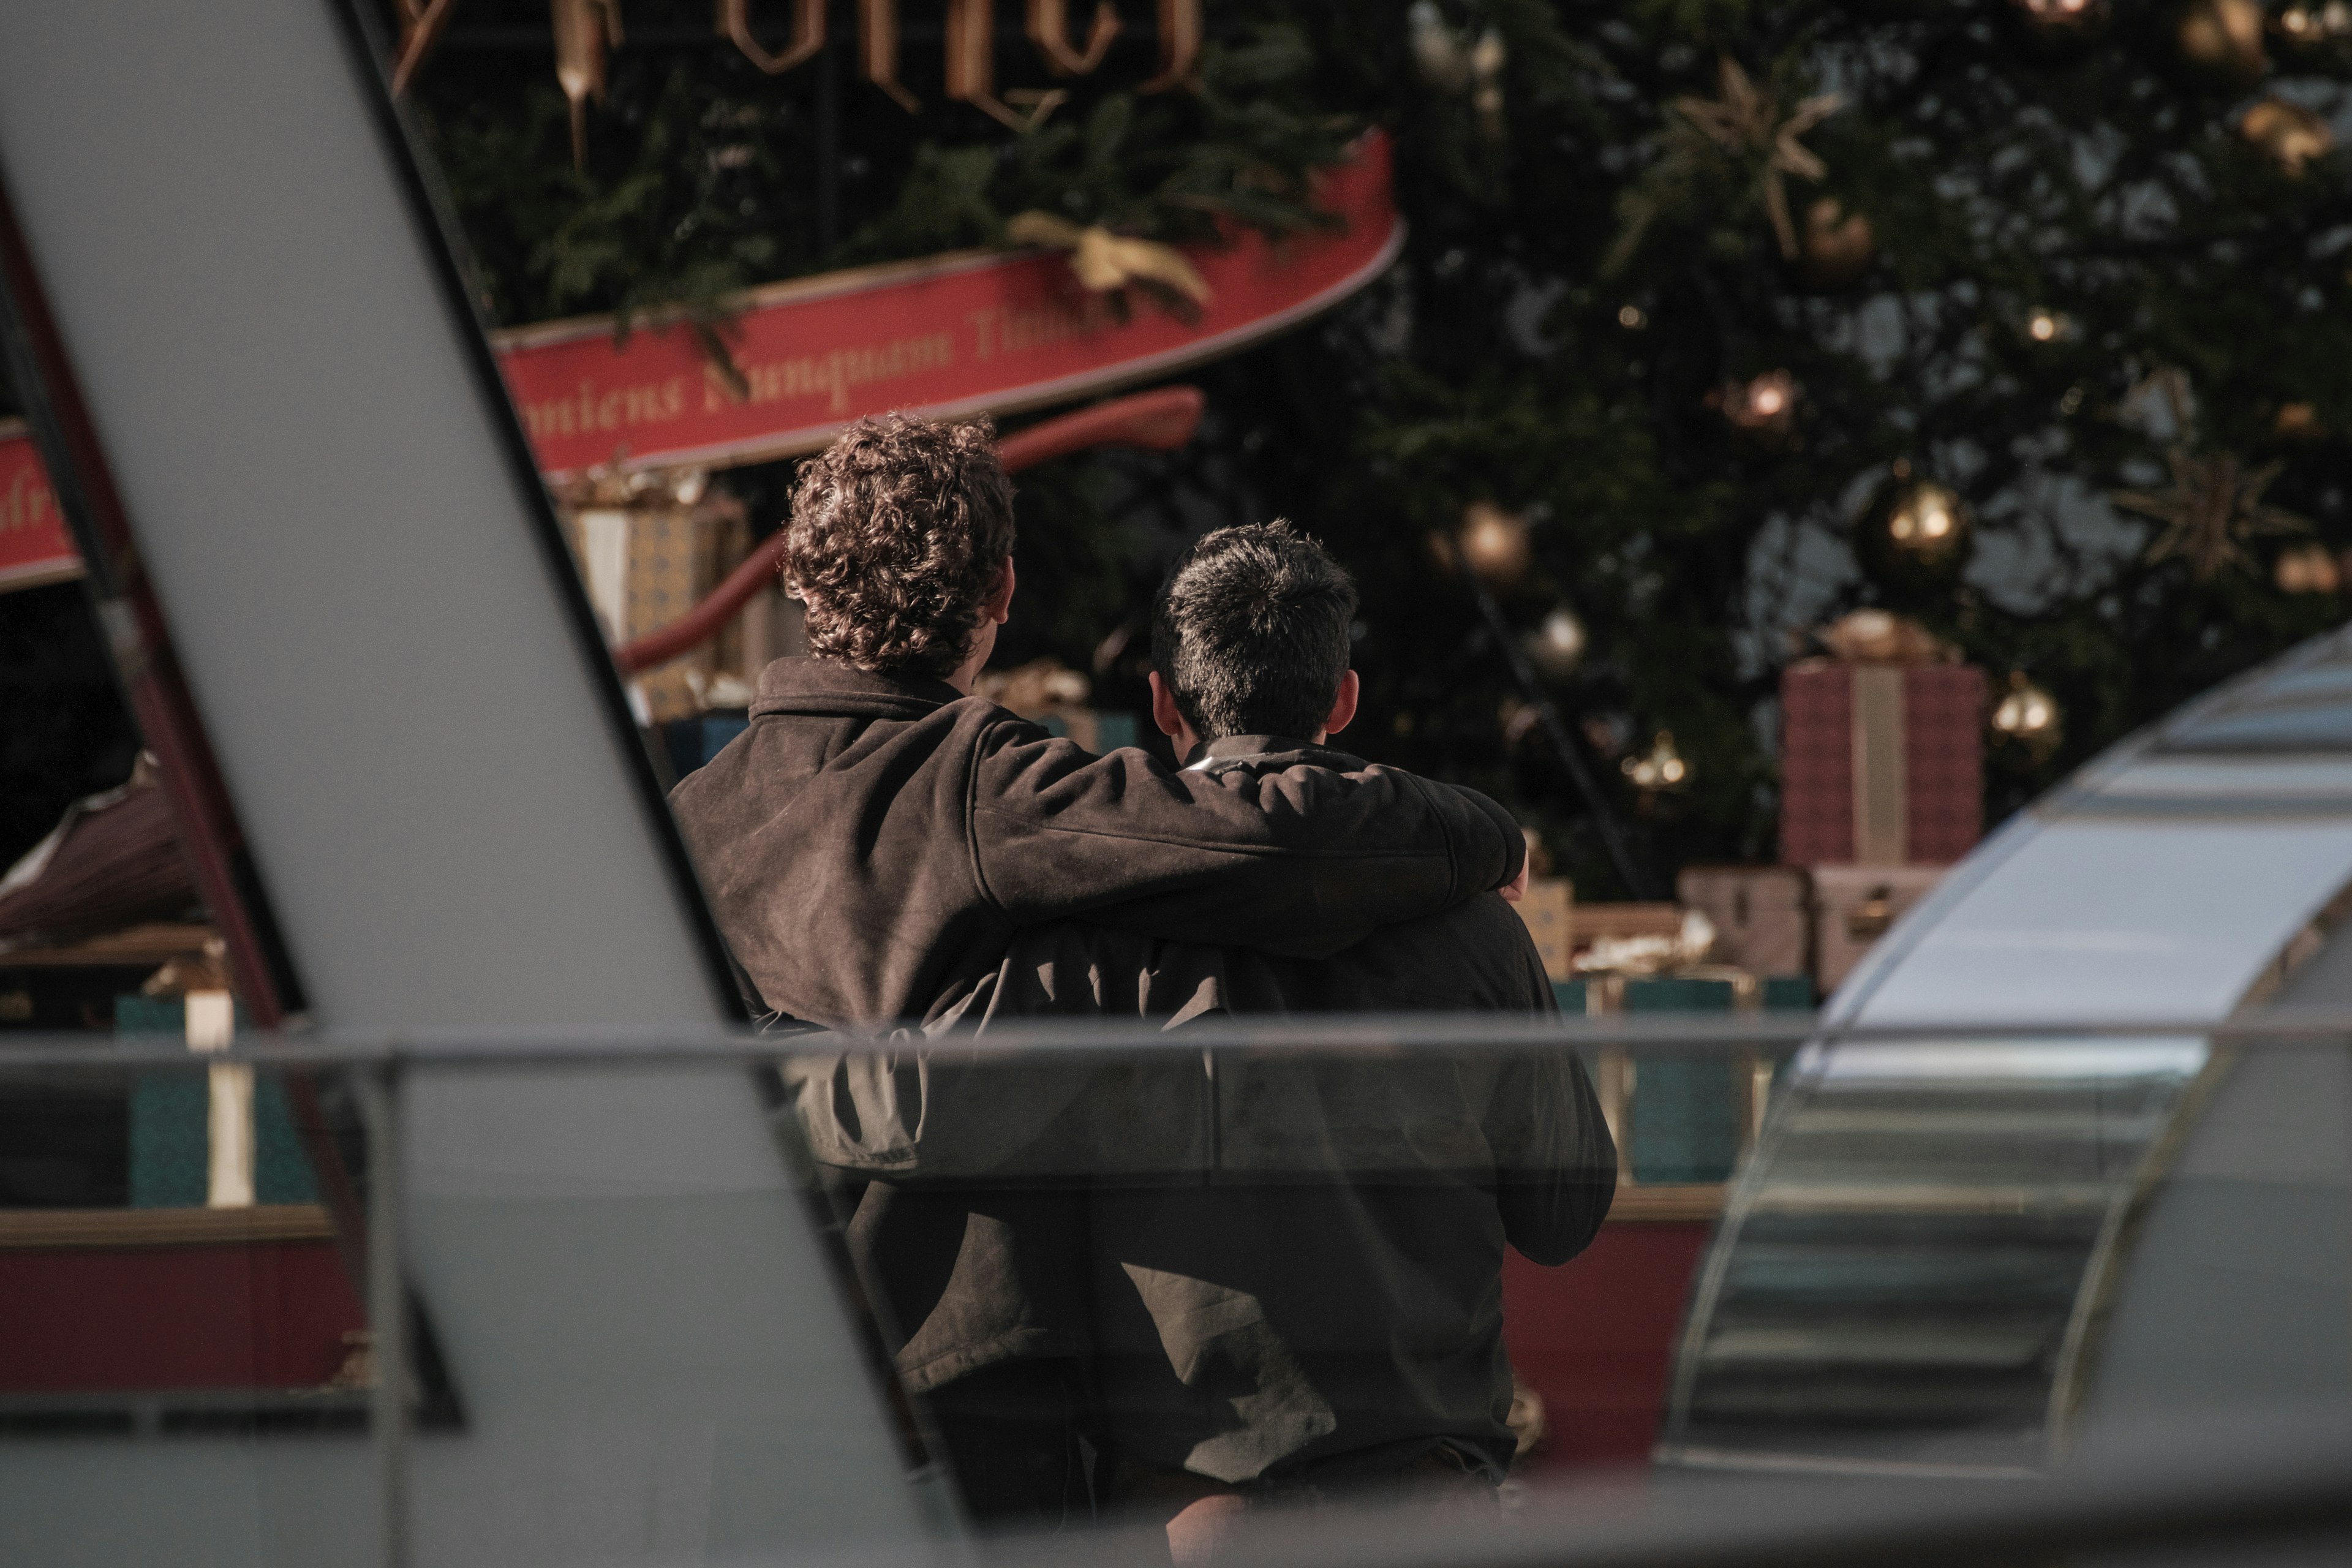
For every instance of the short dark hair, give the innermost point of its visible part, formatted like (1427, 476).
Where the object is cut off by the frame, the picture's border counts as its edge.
(899, 531)
(1251, 631)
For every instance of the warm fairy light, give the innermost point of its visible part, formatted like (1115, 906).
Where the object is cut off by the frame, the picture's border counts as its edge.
(1495, 543)
(1557, 645)
(2043, 326)
(1766, 403)
(1661, 767)
(1630, 317)
(2064, 15)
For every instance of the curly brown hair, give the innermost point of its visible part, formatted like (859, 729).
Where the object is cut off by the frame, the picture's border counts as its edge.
(899, 531)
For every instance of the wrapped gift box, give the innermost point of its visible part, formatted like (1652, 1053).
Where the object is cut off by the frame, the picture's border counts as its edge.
(649, 562)
(1679, 1120)
(1853, 906)
(171, 1123)
(1881, 764)
(1762, 914)
(1549, 911)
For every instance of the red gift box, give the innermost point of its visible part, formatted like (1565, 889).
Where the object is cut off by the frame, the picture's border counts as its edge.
(1881, 764)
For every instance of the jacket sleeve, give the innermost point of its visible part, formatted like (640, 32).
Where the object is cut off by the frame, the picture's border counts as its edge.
(1555, 1162)
(1302, 863)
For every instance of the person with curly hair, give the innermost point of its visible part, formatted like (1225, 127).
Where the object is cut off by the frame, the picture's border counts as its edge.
(878, 840)
(876, 835)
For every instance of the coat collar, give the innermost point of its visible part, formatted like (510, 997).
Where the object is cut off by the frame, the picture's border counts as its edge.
(835, 688)
(1260, 753)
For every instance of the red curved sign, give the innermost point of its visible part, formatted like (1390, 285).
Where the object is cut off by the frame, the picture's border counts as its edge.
(951, 336)
(34, 546)
(980, 332)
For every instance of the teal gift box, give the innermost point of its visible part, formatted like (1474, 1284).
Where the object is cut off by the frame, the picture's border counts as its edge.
(171, 1123)
(1682, 1120)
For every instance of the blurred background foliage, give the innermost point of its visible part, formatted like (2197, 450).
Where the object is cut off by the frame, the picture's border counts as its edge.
(2053, 251)
(2040, 252)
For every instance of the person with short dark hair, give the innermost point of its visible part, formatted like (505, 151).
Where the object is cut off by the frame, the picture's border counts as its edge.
(1250, 635)
(1292, 1275)
(1319, 1314)
(878, 842)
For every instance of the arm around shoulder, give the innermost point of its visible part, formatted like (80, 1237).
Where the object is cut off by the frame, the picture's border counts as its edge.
(1302, 860)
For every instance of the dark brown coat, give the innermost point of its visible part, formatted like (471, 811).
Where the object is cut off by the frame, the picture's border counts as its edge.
(1272, 1265)
(871, 846)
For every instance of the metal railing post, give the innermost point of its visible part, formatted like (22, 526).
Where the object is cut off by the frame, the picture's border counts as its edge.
(387, 1308)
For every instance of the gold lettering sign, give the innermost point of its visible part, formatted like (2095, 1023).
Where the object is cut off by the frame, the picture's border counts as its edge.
(27, 501)
(971, 35)
(808, 34)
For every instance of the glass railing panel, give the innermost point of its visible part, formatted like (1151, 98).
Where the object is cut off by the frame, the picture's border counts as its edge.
(1907, 1275)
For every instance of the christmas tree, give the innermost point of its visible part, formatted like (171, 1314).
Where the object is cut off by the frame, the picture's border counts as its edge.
(1718, 318)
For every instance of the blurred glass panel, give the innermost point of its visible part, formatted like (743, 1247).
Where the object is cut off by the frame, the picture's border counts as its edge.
(181, 1277)
(2307, 707)
(1909, 1274)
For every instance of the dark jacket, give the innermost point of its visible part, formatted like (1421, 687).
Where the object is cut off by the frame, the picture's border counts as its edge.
(1271, 1262)
(1326, 1289)
(871, 846)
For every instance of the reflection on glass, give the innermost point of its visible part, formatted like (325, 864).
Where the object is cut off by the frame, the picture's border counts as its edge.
(209, 1296)
(2304, 708)
(1911, 1273)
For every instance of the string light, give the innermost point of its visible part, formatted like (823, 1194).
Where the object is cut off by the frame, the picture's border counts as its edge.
(1554, 646)
(1660, 768)
(2057, 10)
(1495, 543)
(1766, 403)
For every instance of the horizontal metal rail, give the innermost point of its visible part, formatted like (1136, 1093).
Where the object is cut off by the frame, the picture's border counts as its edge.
(1693, 1033)
(2224, 1486)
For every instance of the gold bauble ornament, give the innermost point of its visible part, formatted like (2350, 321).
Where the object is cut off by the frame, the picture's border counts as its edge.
(2289, 134)
(2298, 422)
(2299, 25)
(2224, 38)
(1556, 646)
(1838, 247)
(1495, 543)
(2027, 713)
(2306, 26)
(1659, 768)
(1926, 521)
(2308, 569)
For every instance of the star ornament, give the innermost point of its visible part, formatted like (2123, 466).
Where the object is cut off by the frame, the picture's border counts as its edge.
(2214, 506)
(1746, 123)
